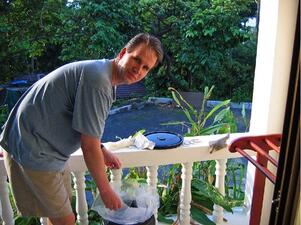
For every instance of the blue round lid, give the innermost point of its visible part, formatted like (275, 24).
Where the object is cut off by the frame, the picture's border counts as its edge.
(165, 139)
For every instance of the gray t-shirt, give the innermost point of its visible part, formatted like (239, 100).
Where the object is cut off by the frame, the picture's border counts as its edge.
(44, 127)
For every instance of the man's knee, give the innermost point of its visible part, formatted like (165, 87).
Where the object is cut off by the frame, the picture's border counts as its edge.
(67, 220)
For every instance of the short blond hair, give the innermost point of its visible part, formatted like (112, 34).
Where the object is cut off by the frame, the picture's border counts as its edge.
(150, 40)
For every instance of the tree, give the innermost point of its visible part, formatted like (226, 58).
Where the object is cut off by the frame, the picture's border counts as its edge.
(203, 40)
(25, 30)
(93, 29)
(40, 35)
(199, 37)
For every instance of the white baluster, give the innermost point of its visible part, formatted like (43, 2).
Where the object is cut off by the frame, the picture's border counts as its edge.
(152, 179)
(81, 203)
(185, 196)
(152, 176)
(44, 221)
(220, 172)
(7, 212)
(0, 212)
(116, 177)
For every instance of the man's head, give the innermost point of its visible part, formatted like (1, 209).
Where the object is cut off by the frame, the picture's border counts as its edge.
(141, 54)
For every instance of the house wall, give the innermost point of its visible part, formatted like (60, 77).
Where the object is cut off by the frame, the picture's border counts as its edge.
(274, 52)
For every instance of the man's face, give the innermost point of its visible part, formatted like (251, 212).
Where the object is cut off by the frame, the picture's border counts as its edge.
(134, 66)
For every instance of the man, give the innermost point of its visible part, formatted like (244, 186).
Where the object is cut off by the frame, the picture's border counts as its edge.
(61, 112)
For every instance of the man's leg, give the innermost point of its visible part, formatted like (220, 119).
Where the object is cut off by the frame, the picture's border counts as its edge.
(43, 194)
(69, 219)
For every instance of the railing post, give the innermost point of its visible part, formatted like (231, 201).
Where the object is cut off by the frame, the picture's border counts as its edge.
(152, 176)
(81, 203)
(185, 196)
(115, 177)
(44, 221)
(7, 212)
(152, 180)
(249, 186)
(220, 173)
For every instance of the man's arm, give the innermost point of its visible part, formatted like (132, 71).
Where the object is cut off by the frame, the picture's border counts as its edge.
(95, 162)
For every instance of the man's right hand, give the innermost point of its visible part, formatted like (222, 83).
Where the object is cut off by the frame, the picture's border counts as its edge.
(110, 198)
(94, 159)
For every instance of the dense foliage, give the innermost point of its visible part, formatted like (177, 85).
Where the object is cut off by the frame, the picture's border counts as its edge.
(206, 42)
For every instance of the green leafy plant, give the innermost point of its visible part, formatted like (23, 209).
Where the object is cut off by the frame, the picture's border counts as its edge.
(93, 217)
(245, 118)
(218, 120)
(19, 220)
(3, 114)
(234, 183)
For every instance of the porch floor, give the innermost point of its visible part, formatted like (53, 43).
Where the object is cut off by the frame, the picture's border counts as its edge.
(238, 218)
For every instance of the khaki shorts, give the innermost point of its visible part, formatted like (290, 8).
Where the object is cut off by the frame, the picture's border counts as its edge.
(36, 193)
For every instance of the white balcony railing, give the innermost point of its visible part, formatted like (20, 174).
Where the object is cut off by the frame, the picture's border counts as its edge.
(194, 149)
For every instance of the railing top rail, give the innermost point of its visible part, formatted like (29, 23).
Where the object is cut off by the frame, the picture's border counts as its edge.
(193, 149)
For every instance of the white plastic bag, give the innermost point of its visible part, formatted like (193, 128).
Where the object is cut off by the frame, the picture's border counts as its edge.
(144, 197)
(138, 140)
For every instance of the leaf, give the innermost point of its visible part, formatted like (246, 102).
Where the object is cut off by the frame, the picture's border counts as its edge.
(211, 192)
(175, 93)
(176, 99)
(93, 223)
(244, 117)
(212, 111)
(26, 221)
(200, 216)
(139, 132)
(174, 123)
(202, 200)
(221, 115)
(189, 117)
(202, 111)
(164, 219)
(190, 112)
(208, 92)
(210, 31)
(212, 129)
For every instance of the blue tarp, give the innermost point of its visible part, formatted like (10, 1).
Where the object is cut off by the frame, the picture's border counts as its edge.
(12, 95)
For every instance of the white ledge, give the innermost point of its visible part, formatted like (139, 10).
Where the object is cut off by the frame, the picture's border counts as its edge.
(197, 150)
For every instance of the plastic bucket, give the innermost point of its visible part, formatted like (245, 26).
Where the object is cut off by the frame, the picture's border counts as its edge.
(150, 221)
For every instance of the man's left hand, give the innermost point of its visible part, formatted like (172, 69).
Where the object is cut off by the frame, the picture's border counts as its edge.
(111, 160)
